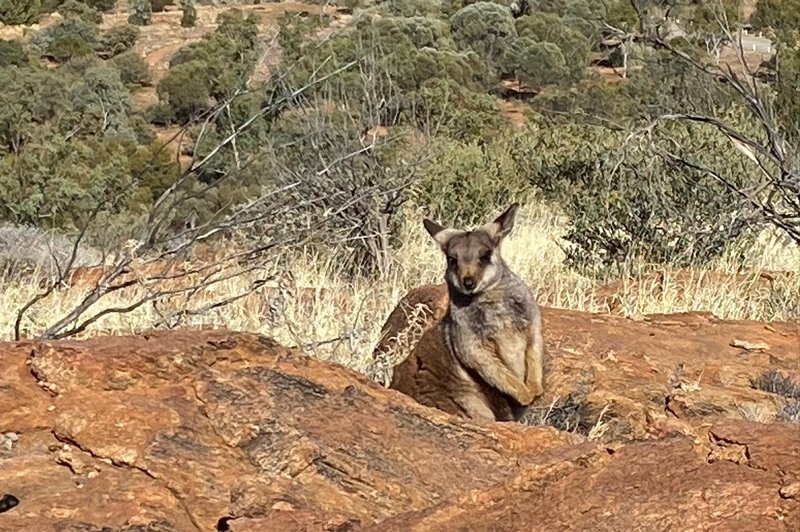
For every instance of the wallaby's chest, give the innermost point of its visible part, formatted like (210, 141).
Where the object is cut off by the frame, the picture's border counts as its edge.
(499, 330)
(488, 318)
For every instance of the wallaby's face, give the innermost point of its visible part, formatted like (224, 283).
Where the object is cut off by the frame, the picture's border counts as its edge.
(473, 257)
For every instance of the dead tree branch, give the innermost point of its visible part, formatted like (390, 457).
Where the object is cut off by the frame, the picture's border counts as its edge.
(775, 192)
(351, 190)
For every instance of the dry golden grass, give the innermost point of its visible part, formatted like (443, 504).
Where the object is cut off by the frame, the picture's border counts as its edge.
(340, 320)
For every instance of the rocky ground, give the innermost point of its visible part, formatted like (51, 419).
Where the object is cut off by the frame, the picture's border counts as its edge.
(215, 430)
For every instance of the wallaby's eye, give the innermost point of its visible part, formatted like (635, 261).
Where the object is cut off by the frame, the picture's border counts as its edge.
(486, 258)
(451, 261)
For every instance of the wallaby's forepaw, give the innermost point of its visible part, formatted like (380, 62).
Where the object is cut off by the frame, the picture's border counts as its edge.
(530, 394)
(537, 390)
(526, 397)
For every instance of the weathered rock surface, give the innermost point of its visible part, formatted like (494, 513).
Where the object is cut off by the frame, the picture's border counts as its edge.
(213, 430)
(648, 376)
(734, 481)
(199, 430)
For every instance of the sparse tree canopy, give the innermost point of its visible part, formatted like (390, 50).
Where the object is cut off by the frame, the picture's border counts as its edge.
(714, 17)
(621, 14)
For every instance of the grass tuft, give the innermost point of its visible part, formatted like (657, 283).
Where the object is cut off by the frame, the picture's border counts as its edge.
(571, 414)
(329, 316)
(790, 413)
(775, 381)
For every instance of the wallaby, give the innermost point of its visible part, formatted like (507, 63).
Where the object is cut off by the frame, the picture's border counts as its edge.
(483, 360)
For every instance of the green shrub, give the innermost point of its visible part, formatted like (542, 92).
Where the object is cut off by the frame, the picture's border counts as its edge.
(706, 17)
(77, 67)
(486, 28)
(630, 54)
(787, 104)
(668, 85)
(141, 12)
(185, 88)
(444, 107)
(196, 51)
(160, 5)
(117, 39)
(621, 14)
(782, 16)
(535, 63)
(586, 9)
(67, 47)
(591, 100)
(74, 8)
(15, 12)
(56, 182)
(30, 98)
(449, 7)
(69, 38)
(550, 28)
(101, 103)
(229, 54)
(412, 69)
(466, 182)
(142, 129)
(133, 69)
(421, 31)
(50, 6)
(413, 8)
(102, 5)
(157, 169)
(12, 53)
(160, 114)
(188, 14)
(632, 205)
(72, 38)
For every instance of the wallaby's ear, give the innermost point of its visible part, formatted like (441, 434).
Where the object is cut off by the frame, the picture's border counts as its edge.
(503, 224)
(440, 234)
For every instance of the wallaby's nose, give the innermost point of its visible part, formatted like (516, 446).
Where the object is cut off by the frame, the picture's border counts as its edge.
(468, 282)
